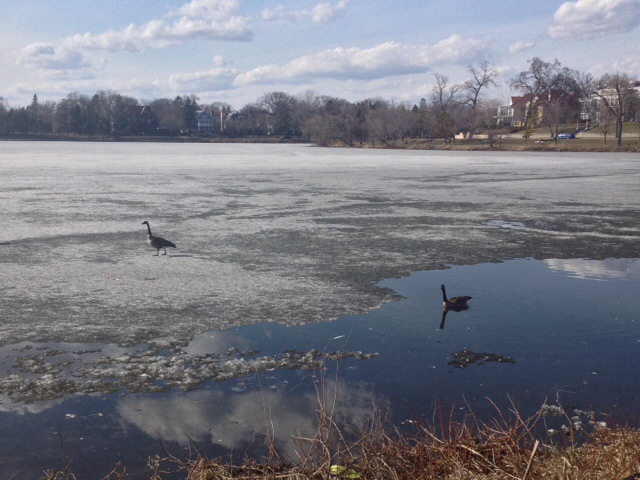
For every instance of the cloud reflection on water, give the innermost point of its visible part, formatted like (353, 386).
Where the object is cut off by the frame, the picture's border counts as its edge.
(8, 405)
(595, 269)
(239, 421)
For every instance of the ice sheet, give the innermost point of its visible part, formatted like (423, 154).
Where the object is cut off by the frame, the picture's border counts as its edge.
(276, 233)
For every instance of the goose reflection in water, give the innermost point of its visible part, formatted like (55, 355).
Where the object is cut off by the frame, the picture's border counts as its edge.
(446, 310)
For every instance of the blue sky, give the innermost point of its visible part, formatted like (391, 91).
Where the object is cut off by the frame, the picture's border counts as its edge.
(234, 51)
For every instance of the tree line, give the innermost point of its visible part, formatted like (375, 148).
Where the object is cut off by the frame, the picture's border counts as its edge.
(553, 96)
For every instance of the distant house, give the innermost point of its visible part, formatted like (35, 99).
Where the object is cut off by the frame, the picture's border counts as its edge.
(504, 116)
(589, 111)
(462, 134)
(204, 122)
(515, 114)
(591, 107)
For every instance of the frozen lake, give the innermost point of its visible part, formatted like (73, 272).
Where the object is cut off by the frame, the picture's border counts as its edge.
(287, 234)
(279, 247)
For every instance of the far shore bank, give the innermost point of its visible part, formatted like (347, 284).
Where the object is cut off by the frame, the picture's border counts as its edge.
(630, 144)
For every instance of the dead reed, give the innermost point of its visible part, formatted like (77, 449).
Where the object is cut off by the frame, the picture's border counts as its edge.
(505, 448)
(508, 447)
(450, 447)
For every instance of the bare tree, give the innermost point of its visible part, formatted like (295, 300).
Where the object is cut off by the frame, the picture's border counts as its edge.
(337, 120)
(351, 125)
(308, 104)
(169, 115)
(486, 112)
(537, 82)
(388, 122)
(443, 93)
(444, 97)
(482, 76)
(71, 114)
(555, 113)
(281, 106)
(606, 118)
(252, 120)
(617, 94)
(584, 82)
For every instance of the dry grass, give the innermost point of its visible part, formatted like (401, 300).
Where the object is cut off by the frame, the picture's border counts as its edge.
(500, 450)
(450, 447)
(508, 447)
(629, 144)
(505, 448)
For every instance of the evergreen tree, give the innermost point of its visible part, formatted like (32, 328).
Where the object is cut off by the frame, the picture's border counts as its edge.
(34, 115)
(530, 127)
(4, 108)
(189, 111)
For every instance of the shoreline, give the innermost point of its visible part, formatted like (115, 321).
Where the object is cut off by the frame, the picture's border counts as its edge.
(631, 144)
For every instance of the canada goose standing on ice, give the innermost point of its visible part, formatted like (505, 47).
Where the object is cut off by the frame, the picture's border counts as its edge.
(454, 303)
(157, 242)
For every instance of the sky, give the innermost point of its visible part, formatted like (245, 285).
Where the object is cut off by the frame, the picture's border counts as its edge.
(235, 51)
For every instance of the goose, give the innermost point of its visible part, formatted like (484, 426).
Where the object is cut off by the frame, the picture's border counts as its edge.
(157, 242)
(454, 303)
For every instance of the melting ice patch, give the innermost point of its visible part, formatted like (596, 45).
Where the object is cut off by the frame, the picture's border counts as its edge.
(504, 224)
(46, 373)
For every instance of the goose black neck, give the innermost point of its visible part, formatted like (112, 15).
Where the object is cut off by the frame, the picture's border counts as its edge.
(444, 293)
(149, 228)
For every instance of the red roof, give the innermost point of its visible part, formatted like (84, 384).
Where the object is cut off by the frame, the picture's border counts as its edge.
(524, 99)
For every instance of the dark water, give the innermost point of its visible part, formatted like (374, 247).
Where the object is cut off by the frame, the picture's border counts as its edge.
(563, 329)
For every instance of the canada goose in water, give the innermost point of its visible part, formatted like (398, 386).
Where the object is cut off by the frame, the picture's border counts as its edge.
(157, 242)
(454, 303)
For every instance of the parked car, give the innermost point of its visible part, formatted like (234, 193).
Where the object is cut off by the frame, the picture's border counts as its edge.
(565, 136)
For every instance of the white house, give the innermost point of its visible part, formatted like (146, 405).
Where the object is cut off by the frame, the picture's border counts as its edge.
(205, 122)
(591, 107)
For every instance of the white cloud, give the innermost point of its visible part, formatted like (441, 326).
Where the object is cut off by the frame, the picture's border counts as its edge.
(629, 62)
(320, 13)
(218, 78)
(387, 59)
(216, 10)
(521, 46)
(209, 19)
(325, 12)
(585, 19)
(57, 84)
(206, 19)
(49, 57)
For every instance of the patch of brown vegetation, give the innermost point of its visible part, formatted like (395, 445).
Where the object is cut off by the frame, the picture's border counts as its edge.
(597, 145)
(509, 447)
